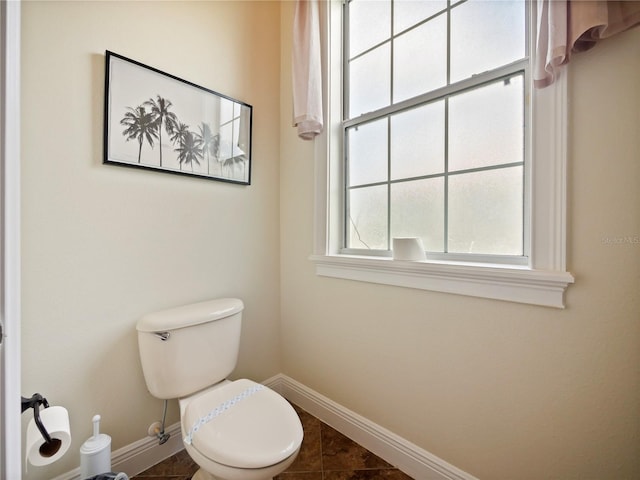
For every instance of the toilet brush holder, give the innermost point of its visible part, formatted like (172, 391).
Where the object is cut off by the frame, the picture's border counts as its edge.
(95, 453)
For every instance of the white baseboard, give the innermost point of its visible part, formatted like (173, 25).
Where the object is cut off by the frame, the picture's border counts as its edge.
(404, 455)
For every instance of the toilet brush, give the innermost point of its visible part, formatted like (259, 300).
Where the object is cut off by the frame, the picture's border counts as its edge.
(95, 453)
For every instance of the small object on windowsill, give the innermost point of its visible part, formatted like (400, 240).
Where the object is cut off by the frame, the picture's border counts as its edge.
(408, 249)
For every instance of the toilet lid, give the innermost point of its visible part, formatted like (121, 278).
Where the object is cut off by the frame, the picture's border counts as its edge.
(242, 424)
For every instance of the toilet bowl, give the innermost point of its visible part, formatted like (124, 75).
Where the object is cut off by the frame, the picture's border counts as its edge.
(234, 430)
(240, 430)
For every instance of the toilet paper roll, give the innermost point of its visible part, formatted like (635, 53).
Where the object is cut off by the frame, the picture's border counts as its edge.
(408, 248)
(56, 422)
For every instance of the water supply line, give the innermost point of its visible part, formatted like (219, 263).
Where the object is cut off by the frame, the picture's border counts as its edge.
(162, 436)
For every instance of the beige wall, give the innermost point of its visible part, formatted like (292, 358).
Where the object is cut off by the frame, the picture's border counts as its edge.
(103, 245)
(501, 390)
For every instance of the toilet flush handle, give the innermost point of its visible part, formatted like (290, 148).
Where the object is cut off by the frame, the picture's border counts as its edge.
(164, 336)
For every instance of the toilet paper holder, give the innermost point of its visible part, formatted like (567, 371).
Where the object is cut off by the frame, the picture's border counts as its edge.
(51, 445)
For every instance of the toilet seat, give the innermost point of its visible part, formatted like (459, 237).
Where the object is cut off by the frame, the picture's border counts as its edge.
(242, 424)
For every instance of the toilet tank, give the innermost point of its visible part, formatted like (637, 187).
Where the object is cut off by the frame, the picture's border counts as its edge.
(189, 348)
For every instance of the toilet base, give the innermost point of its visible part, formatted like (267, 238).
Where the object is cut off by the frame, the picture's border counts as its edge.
(202, 475)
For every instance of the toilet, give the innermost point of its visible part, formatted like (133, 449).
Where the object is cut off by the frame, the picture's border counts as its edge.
(234, 430)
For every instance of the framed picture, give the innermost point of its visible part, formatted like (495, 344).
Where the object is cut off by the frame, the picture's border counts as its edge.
(157, 121)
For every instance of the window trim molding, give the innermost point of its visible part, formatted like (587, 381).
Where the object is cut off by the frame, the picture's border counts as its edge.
(497, 282)
(543, 282)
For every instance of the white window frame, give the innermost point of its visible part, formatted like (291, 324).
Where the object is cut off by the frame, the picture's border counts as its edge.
(542, 281)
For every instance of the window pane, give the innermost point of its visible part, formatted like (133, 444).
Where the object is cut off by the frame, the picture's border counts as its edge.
(420, 60)
(485, 35)
(369, 81)
(367, 160)
(417, 210)
(367, 220)
(417, 141)
(486, 126)
(485, 212)
(370, 24)
(407, 13)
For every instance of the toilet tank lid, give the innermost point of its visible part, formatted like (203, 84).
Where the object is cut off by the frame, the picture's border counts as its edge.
(189, 315)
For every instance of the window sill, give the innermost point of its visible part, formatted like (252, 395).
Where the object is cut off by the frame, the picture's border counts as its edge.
(498, 282)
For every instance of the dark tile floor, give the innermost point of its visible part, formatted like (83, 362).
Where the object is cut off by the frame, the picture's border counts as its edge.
(326, 454)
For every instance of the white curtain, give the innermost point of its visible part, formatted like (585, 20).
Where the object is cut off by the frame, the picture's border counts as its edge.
(569, 26)
(307, 70)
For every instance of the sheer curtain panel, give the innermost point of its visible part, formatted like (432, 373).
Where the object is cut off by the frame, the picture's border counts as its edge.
(307, 70)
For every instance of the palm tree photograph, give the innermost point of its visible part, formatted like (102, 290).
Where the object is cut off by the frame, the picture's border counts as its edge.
(154, 120)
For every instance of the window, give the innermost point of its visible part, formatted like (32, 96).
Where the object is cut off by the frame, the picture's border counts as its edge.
(434, 126)
(435, 132)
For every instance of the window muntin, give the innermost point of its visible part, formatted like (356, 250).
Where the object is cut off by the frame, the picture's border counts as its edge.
(435, 146)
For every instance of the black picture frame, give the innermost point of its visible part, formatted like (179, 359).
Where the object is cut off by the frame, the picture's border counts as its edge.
(156, 121)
